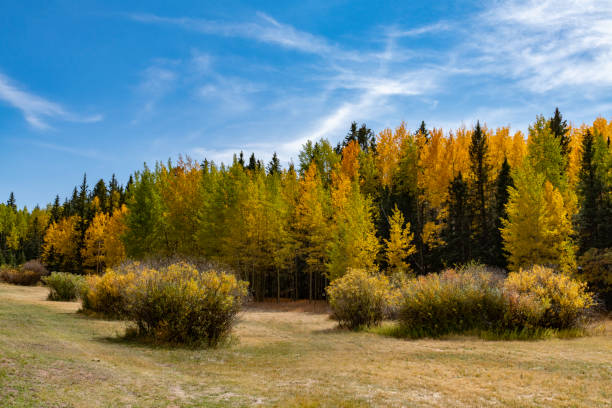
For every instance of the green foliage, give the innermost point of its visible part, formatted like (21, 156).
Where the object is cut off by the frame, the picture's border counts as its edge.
(64, 286)
(360, 298)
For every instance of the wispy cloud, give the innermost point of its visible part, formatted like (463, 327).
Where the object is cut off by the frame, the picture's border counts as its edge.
(87, 153)
(35, 109)
(546, 44)
(265, 29)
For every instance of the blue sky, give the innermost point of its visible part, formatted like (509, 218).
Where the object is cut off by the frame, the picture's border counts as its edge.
(103, 86)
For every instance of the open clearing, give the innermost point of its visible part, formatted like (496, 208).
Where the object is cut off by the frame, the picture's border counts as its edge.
(52, 357)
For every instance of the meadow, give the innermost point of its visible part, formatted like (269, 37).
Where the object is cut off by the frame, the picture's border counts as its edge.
(290, 354)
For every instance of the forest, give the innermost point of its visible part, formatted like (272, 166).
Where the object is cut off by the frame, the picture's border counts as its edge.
(405, 202)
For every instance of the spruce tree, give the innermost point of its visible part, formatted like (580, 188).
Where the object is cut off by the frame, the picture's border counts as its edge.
(56, 211)
(100, 192)
(11, 202)
(252, 162)
(423, 131)
(595, 216)
(457, 229)
(274, 165)
(560, 130)
(479, 191)
(504, 181)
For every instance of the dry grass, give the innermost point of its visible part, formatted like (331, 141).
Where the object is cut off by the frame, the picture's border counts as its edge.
(52, 357)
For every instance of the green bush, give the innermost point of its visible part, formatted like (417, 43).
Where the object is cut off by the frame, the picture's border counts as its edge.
(28, 274)
(359, 298)
(174, 304)
(451, 302)
(64, 286)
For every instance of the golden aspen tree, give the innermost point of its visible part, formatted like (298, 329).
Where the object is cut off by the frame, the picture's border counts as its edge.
(399, 246)
(349, 164)
(178, 186)
(60, 246)
(93, 251)
(312, 224)
(538, 229)
(114, 249)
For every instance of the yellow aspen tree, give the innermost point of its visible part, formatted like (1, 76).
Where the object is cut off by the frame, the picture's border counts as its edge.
(114, 249)
(179, 186)
(538, 229)
(61, 240)
(354, 243)
(399, 246)
(93, 251)
(349, 164)
(312, 223)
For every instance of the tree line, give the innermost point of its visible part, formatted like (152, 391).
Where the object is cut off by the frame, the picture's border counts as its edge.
(404, 202)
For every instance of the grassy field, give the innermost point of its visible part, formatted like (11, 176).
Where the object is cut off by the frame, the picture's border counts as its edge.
(52, 357)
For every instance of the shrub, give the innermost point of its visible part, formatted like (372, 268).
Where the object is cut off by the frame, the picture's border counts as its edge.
(29, 274)
(182, 305)
(64, 286)
(451, 302)
(360, 298)
(175, 304)
(564, 302)
(106, 294)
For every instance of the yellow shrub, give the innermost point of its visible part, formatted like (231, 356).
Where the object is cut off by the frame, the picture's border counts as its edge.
(565, 301)
(106, 294)
(360, 298)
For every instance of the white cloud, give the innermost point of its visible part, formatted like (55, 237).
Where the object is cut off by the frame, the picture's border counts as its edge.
(266, 29)
(546, 44)
(35, 109)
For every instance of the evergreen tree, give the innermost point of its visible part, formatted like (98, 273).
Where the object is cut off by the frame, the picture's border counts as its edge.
(11, 202)
(504, 181)
(479, 191)
(457, 231)
(252, 162)
(595, 216)
(560, 130)
(99, 191)
(274, 165)
(362, 135)
(241, 159)
(423, 131)
(56, 210)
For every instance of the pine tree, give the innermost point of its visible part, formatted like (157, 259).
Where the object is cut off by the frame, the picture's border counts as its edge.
(274, 166)
(252, 162)
(423, 132)
(99, 191)
(479, 194)
(560, 131)
(457, 230)
(56, 211)
(595, 216)
(503, 183)
(11, 202)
